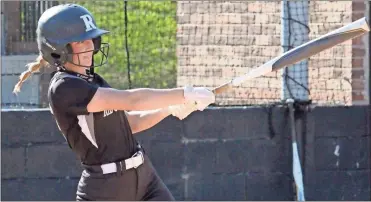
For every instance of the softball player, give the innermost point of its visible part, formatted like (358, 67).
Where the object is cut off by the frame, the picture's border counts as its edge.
(97, 121)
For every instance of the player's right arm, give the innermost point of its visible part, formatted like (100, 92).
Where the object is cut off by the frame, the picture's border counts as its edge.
(76, 96)
(135, 99)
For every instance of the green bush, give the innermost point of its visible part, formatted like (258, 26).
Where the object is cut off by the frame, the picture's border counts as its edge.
(151, 32)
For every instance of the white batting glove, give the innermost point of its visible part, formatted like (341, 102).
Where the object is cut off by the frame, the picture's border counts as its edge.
(201, 96)
(183, 110)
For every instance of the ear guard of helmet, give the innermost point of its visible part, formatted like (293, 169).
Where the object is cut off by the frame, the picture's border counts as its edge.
(97, 44)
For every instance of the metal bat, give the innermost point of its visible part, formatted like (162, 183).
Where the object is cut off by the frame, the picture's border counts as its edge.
(304, 51)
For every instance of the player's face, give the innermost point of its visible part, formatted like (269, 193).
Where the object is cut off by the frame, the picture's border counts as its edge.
(86, 47)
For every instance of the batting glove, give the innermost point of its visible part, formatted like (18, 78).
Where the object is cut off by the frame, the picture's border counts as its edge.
(183, 110)
(201, 96)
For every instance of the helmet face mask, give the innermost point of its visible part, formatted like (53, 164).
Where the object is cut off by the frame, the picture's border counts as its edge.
(61, 25)
(99, 55)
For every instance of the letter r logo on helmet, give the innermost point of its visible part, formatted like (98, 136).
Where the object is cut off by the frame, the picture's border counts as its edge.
(88, 20)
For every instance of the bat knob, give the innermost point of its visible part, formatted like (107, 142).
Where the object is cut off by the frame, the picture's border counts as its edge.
(290, 101)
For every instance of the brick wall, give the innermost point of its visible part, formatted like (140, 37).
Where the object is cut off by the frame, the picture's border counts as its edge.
(341, 77)
(220, 40)
(328, 68)
(218, 154)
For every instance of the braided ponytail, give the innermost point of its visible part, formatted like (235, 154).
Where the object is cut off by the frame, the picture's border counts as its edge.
(32, 67)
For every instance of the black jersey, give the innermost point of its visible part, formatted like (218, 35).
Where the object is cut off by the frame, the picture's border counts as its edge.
(97, 138)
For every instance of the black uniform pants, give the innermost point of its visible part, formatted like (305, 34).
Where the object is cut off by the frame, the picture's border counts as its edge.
(140, 184)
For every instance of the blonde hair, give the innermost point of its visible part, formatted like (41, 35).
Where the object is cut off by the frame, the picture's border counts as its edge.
(31, 68)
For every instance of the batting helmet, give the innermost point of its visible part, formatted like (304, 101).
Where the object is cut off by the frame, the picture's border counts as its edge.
(60, 25)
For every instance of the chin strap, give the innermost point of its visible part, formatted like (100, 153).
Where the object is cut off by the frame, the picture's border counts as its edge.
(90, 75)
(90, 71)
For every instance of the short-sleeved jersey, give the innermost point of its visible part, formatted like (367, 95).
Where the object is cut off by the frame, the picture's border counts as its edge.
(97, 138)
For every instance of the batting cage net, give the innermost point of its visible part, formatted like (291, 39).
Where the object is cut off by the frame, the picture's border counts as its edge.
(165, 44)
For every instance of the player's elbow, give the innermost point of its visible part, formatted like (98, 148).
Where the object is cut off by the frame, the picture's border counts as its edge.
(135, 128)
(133, 122)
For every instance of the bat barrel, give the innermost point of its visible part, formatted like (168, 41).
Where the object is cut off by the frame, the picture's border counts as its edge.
(327, 41)
(315, 46)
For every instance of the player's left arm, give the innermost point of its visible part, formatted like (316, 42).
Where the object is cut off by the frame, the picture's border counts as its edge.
(143, 120)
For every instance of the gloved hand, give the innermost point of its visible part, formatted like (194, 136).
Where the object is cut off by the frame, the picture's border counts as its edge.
(201, 96)
(183, 110)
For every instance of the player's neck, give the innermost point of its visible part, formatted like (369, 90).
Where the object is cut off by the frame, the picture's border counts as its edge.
(75, 68)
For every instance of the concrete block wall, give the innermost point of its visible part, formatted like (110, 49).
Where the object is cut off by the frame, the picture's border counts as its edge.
(338, 154)
(36, 162)
(34, 90)
(12, 67)
(217, 154)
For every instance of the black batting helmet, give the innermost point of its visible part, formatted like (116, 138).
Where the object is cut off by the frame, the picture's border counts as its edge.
(60, 25)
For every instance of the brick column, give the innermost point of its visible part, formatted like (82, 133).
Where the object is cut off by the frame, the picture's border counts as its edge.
(360, 58)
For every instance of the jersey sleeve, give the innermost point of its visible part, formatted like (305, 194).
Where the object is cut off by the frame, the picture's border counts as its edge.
(72, 95)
